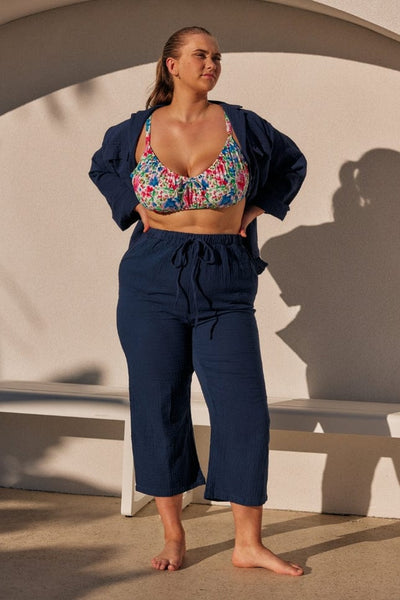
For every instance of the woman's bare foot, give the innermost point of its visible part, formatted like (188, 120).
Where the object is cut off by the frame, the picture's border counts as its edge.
(249, 550)
(259, 556)
(171, 556)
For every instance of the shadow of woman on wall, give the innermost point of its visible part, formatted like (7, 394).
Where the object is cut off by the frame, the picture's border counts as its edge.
(345, 276)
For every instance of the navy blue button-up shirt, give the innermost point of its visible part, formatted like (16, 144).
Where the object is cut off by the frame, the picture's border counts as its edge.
(276, 165)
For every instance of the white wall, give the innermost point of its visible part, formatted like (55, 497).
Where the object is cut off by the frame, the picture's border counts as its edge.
(332, 86)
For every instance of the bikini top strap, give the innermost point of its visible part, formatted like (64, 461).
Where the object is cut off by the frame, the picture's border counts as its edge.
(229, 127)
(147, 130)
(229, 130)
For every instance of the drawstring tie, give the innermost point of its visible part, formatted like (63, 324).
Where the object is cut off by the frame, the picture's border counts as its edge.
(202, 252)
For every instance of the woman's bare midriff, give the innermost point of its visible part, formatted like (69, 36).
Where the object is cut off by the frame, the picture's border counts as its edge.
(205, 220)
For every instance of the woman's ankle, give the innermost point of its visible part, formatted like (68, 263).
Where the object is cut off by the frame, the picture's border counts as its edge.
(174, 534)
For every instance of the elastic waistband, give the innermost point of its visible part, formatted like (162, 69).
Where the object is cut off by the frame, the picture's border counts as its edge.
(180, 237)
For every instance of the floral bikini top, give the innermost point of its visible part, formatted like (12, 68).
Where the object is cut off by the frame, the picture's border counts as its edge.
(224, 183)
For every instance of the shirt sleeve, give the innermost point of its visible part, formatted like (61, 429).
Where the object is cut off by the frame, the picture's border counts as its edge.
(280, 169)
(110, 172)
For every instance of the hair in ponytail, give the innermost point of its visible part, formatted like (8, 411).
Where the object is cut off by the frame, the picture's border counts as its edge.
(164, 85)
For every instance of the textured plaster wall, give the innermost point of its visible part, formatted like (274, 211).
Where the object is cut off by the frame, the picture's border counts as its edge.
(327, 307)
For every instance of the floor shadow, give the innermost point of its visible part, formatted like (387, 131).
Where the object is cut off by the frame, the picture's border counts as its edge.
(46, 554)
(303, 522)
(302, 555)
(21, 511)
(374, 535)
(194, 556)
(58, 572)
(345, 277)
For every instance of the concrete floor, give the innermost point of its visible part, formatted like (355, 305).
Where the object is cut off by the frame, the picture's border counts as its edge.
(67, 547)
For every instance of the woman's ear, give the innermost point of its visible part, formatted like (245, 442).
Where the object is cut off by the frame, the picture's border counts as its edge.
(172, 66)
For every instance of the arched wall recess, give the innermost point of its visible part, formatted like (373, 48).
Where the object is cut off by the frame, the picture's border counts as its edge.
(18, 9)
(73, 44)
(379, 16)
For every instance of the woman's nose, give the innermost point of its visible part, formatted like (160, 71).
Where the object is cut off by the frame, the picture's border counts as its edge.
(210, 64)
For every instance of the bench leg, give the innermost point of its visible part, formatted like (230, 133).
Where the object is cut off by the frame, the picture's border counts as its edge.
(187, 498)
(131, 501)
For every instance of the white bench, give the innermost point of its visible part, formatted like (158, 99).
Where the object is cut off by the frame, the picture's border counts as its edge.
(72, 401)
(323, 416)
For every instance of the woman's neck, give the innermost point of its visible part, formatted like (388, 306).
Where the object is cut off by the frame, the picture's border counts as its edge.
(188, 109)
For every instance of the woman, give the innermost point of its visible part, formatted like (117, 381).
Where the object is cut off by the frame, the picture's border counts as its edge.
(196, 174)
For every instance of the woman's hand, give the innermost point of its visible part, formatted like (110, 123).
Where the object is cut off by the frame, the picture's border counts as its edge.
(143, 215)
(249, 215)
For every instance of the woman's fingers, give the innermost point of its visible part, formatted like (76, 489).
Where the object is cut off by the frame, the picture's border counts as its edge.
(143, 215)
(248, 216)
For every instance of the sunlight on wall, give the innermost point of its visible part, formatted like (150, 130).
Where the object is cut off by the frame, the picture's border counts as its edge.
(62, 265)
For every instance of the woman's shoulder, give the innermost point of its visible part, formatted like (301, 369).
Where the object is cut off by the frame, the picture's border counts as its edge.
(238, 109)
(249, 118)
(250, 127)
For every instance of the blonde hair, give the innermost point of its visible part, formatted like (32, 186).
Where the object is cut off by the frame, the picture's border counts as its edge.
(164, 86)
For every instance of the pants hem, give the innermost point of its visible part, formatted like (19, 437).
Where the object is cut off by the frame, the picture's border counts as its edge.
(236, 499)
(171, 492)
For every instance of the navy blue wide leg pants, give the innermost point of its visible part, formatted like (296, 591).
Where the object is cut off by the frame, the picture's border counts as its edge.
(186, 304)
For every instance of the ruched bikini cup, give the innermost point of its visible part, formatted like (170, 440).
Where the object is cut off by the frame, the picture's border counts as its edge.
(223, 184)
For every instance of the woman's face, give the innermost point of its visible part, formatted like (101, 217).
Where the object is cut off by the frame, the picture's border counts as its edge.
(199, 63)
